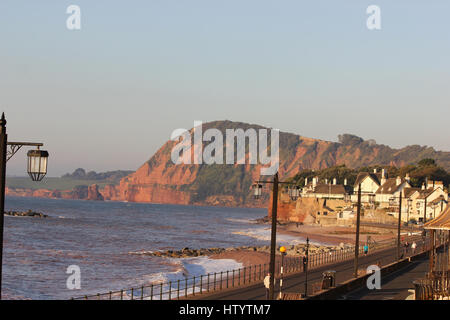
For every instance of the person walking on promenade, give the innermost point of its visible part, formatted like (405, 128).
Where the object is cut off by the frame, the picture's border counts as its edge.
(267, 285)
(413, 247)
(366, 249)
(406, 248)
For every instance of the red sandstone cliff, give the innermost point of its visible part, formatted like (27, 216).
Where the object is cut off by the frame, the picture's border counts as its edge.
(160, 181)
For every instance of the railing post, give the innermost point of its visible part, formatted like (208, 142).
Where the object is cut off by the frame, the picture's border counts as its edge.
(207, 285)
(151, 292)
(170, 290)
(215, 281)
(239, 277)
(201, 283)
(178, 289)
(232, 280)
(193, 287)
(142, 293)
(221, 273)
(161, 291)
(110, 295)
(227, 278)
(121, 294)
(185, 287)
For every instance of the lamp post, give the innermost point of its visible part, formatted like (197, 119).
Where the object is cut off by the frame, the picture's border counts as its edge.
(283, 254)
(399, 225)
(409, 206)
(257, 187)
(305, 266)
(392, 203)
(358, 220)
(36, 168)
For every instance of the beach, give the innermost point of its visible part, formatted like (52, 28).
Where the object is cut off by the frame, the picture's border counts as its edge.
(323, 238)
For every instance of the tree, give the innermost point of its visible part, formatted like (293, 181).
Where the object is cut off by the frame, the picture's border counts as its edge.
(427, 162)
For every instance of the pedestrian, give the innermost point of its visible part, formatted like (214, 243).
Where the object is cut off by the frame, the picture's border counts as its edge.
(406, 248)
(267, 285)
(366, 249)
(413, 247)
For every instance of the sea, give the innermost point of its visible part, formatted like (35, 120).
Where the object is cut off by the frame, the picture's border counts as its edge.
(108, 240)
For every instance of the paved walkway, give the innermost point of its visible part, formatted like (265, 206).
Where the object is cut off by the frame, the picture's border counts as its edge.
(296, 282)
(395, 286)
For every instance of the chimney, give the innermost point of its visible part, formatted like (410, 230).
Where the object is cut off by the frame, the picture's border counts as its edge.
(398, 181)
(407, 178)
(306, 182)
(345, 181)
(423, 186)
(430, 184)
(383, 176)
(334, 181)
(375, 170)
(326, 181)
(315, 181)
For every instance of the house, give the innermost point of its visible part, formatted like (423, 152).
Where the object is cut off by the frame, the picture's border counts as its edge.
(324, 190)
(432, 197)
(370, 182)
(389, 191)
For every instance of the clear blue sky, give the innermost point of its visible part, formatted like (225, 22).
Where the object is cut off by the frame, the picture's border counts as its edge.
(109, 95)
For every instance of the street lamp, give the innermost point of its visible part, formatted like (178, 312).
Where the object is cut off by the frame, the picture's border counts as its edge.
(305, 266)
(273, 235)
(294, 192)
(37, 169)
(257, 190)
(37, 164)
(283, 254)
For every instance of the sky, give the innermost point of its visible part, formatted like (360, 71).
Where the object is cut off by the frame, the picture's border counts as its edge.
(107, 96)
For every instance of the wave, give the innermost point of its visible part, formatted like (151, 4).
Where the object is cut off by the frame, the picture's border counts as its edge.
(248, 221)
(264, 234)
(182, 275)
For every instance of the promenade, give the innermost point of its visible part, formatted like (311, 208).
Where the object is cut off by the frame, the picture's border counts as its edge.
(296, 282)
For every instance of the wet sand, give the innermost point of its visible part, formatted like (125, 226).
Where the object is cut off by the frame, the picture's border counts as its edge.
(326, 235)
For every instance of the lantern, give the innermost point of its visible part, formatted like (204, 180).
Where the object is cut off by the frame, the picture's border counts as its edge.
(294, 192)
(37, 164)
(257, 190)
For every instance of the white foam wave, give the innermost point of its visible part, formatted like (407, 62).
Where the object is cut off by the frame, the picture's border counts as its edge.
(264, 234)
(185, 270)
(248, 221)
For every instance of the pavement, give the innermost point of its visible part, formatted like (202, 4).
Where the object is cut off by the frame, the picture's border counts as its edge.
(397, 285)
(296, 282)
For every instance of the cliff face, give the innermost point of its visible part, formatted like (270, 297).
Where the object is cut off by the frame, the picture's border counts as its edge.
(159, 180)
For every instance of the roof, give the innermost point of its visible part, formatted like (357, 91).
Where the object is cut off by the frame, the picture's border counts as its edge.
(329, 189)
(437, 200)
(390, 186)
(442, 222)
(362, 175)
(410, 191)
(426, 193)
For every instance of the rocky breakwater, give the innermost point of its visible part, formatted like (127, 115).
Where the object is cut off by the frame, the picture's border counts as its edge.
(28, 213)
(291, 250)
